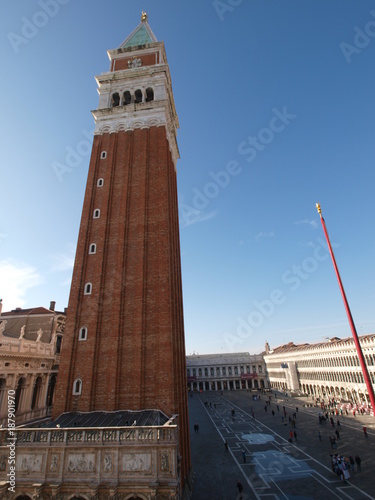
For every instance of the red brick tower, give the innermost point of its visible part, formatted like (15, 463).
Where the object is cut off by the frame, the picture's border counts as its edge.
(124, 340)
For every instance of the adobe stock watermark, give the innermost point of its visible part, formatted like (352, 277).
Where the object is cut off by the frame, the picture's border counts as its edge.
(293, 278)
(73, 156)
(362, 38)
(223, 6)
(31, 26)
(249, 148)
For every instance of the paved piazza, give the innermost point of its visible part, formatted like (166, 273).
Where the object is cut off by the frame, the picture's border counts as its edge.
(275, 468)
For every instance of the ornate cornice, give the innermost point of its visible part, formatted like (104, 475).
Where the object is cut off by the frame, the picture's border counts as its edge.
(144, 115)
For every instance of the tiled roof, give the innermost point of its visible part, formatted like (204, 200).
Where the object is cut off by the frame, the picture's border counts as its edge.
(291, 347)
(120, 418)
(25, 312)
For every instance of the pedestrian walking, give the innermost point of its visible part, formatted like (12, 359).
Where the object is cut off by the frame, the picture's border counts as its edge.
(351, 461)
(273, 413)
(337, 434)
(365, 431)
(240, 488)
(358, 462)
(338, 424)
(226, 446)
(244, 456)
(291, 436)
(295, 435)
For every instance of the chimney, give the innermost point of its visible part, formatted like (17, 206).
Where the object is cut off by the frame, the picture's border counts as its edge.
(52, 305)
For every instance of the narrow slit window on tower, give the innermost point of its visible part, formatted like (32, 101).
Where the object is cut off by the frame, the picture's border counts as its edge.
(103, 155)
(138, 96)
(100, 182)
(77, 387)
(115, 99)
(92, 248)
(88, 289)
(127, 97)
(96, 213)
(82, 333)
(149, 94)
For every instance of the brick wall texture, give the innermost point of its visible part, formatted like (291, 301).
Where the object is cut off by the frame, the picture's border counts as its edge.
(134, 355)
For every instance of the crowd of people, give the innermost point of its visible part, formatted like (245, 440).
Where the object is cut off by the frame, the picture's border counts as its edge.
(343, 466)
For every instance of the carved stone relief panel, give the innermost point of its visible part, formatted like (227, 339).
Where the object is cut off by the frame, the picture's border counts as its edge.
(29, 462)
(107, 462)
(136, 462)
(164, 461)
(54, 463)
(78, 463)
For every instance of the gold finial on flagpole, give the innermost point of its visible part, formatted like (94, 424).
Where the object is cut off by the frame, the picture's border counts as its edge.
(143, 17)
(319, 209)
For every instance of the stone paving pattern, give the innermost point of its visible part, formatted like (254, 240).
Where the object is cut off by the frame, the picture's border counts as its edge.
(275, 468)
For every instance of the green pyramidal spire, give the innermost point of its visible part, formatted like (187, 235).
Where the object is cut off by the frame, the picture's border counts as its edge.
(142, 35)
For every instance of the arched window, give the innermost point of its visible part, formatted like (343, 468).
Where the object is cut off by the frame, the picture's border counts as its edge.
(138, 96)
(3, 386)
(96, 213)
(77, 387)
(100, 182)
(88, 289)
(92, 248)
(149, 94)
(51, 390)
(115, 99)
(82, 335)
(58, 344)
(21, 386)
(36, 393)
(103, 155)
(127, 97)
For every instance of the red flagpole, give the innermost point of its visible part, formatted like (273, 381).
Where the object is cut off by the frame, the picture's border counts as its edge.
(350, 318)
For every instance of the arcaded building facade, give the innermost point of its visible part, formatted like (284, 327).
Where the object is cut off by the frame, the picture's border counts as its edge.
(329, 368)
(221, 372)
(30, 346)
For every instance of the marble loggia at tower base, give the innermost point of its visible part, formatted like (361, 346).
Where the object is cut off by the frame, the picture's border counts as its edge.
(120, 418)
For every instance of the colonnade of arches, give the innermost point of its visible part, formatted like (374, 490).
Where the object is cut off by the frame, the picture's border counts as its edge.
(127, 97)
(225, 385)
(31, 393)
(352, 394)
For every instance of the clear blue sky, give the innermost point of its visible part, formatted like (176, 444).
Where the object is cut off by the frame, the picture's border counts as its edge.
(276, 108)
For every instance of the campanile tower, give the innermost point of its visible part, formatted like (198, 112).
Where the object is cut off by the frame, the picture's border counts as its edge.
(124, 343)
